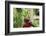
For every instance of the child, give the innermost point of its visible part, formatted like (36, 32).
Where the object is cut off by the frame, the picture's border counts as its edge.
(27, 22)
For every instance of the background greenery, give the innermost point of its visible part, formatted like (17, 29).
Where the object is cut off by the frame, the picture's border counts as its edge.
(19, 13)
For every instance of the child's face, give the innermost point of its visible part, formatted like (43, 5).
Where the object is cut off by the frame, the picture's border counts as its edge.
(27, 17)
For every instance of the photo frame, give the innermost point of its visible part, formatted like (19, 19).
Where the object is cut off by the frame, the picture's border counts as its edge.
(24, 17)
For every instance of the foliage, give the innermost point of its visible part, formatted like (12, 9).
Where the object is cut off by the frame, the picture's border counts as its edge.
(19, 13)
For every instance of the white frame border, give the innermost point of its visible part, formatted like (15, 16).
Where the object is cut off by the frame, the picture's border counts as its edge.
(24, 29)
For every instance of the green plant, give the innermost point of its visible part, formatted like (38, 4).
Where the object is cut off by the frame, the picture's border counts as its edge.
(35, 23)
